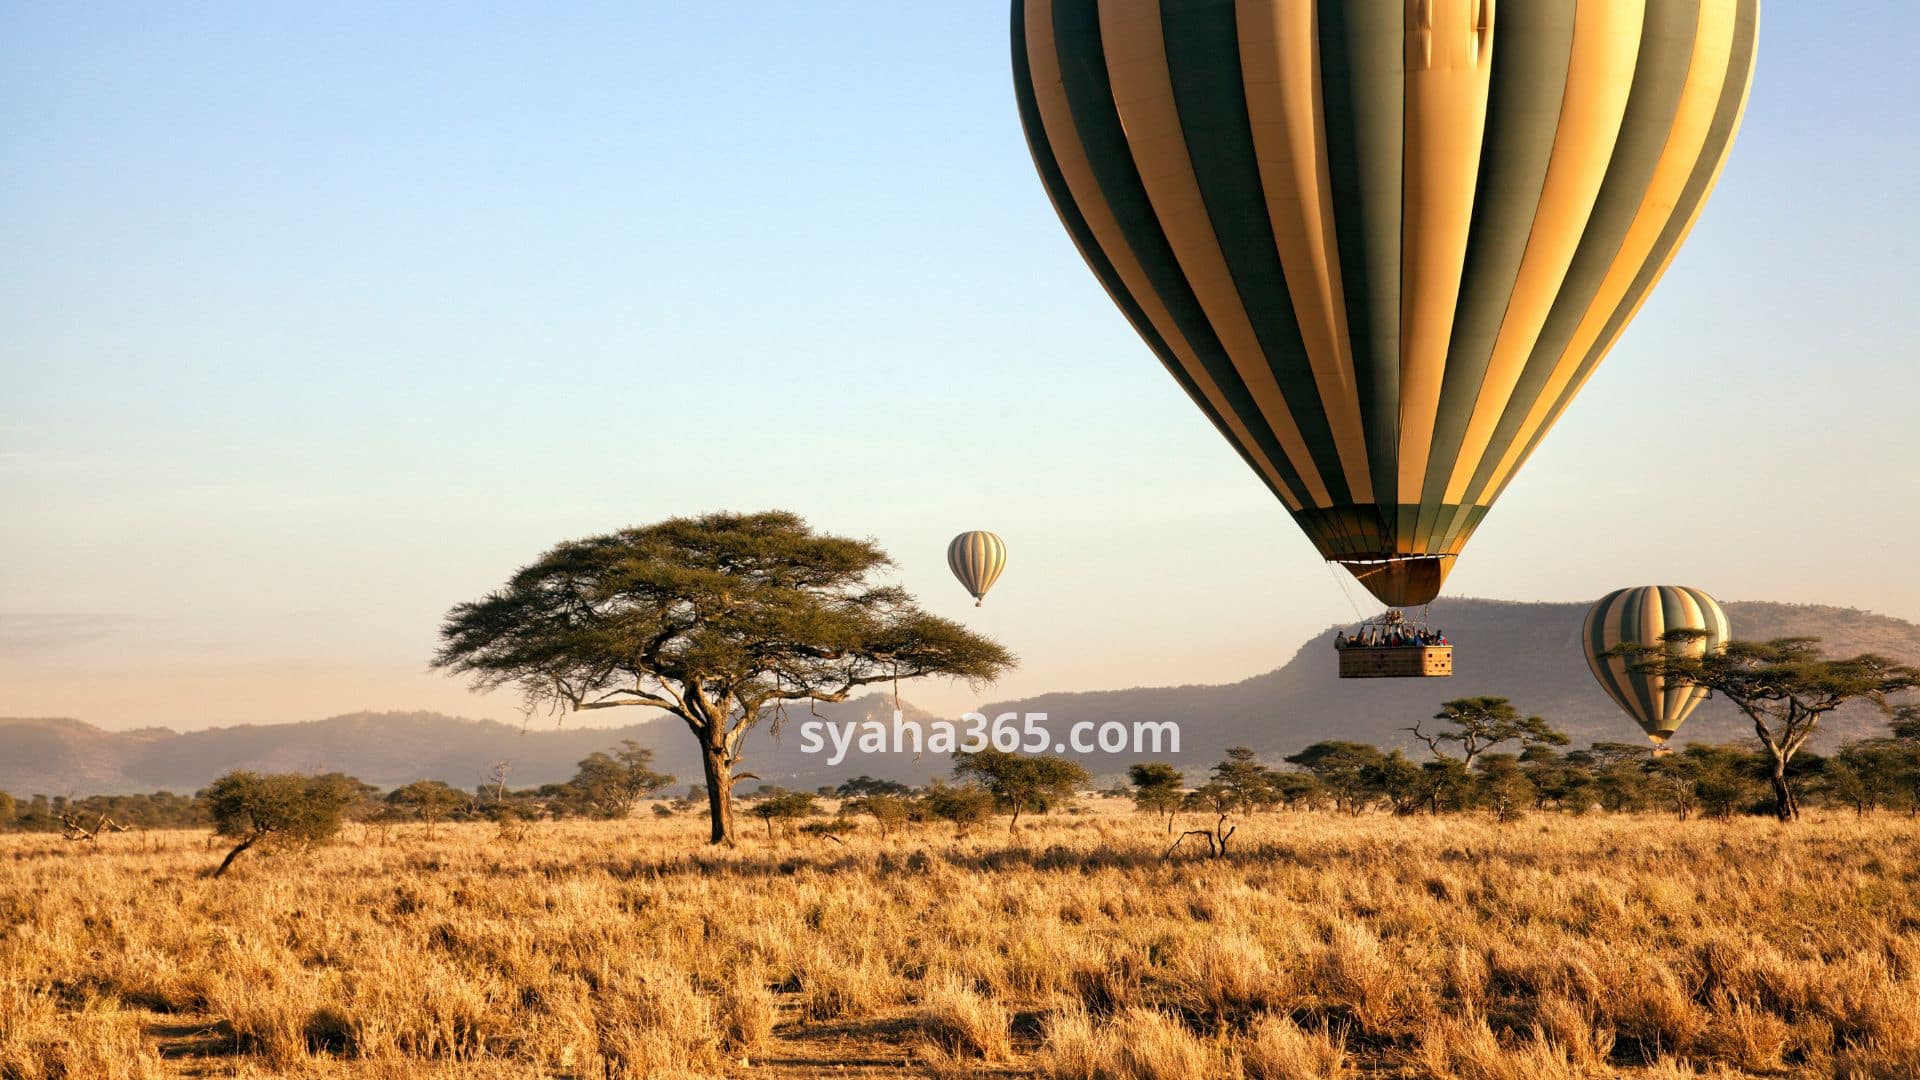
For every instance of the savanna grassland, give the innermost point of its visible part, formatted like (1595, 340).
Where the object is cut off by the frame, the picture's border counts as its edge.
(1322, 946)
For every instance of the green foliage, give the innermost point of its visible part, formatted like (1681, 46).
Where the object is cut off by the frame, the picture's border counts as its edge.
(285, 807)
(1020, 782)
(1905, 723)
(1347, 772)
(1558, 782)
(786, 808)
(1479, 724)
(833, 826)
(1784, 686)
(719, 620)
(1248, 782)
(1619, 774)
(155, 810)
(1721, 778)
(609, 785)
(1157, 788)
(7, 809)
(867, 785)
(1874, 773)
(966, 805)
(887, 811)
(429, 800)
(1445, 784)
(1212, 797)
(1503, 786)
(1402, 783)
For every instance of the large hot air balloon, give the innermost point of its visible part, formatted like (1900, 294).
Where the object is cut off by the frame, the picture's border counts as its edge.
(1381, 243)
(977, 558)
(1643, 616)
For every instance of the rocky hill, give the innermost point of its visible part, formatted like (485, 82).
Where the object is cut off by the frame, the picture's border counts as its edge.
(1527, 652)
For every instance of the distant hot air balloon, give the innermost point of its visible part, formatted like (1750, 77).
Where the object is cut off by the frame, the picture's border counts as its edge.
(1381, 244)
(1644, 616)
(977, 558)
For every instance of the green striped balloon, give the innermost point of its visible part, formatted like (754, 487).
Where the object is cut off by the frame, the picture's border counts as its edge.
(977, 558)
(1381, 243)
(1643, 616)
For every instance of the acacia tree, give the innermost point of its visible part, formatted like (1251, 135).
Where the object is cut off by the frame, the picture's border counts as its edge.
(610, 784)
(1785, 686)
(1344, 770)
(1906, 732)
(251, 807)
(1906, 723)
(721, 620)
(430, 800)
(887, 810)
(1157, 788)
(1622, 773)
(1251, 783)
(1018, 782)
(1478, 724)
(786, 808)
(1505, 786)
(966, 806)
(1870, 773)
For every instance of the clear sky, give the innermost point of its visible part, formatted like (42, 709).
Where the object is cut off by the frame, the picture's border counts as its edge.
(316, 319)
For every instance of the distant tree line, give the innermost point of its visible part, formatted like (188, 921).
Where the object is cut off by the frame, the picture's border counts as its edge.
(1481, 755)
(606, 785)
(159, 810)
(1464, 772)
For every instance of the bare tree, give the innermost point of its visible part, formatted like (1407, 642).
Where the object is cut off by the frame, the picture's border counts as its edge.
(1217, 798)
(497, 779)
(73, 828)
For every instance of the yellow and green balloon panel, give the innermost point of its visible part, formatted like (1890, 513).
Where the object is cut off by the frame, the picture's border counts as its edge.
(1381, 243)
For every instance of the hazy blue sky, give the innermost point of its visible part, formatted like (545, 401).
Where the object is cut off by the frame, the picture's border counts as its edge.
(316, 319)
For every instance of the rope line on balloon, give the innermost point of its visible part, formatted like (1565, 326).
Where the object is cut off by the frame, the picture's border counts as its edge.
(1351, 602)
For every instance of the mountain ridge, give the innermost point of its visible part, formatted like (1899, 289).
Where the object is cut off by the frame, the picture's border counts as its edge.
(1526, 651)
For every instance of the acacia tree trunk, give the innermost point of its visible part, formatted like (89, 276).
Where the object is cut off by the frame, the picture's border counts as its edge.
(719, 792)
(235, 853)
(1785, 806)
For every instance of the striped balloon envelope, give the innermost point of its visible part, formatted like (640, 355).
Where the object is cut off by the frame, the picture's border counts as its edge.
(1381, 243)
(977, 558)
(1643, 616)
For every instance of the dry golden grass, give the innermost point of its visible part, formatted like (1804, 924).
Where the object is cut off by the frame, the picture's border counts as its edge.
(1324, 947)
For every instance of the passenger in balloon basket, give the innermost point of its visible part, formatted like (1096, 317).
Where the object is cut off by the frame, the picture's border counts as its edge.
(1391, 630)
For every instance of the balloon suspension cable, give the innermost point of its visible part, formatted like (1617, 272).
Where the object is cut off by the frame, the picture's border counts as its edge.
(1344, 591)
